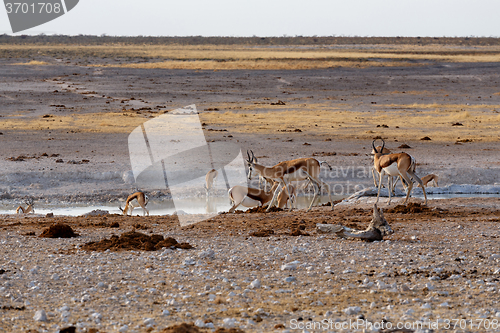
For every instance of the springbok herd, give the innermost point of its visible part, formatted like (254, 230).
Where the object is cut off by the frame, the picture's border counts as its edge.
(395, 165)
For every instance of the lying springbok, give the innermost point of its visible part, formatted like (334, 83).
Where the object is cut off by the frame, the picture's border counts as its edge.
(377, 229)
(400, 164)
(210, 179)
(250, 197)
(29, 209)
(293, 170)
(137, 199)
(283, 197)
(432, 177)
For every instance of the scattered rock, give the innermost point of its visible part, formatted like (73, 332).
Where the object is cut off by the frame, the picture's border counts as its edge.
(353, 310)
(255, 284)
(40, 315)
(425, 138)
(96, 212)
(404, 146)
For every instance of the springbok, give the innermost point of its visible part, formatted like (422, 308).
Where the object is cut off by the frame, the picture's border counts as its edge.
(400, 164)
(293, 170)
(210, 179)
(283, 198)
(392, 180)
(432, 177)
(29, 209)
(137, 199)
(250, 197)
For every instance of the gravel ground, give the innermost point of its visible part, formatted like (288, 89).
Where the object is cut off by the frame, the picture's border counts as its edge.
(439, 265)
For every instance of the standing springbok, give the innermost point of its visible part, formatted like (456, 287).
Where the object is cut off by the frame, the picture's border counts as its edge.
(210, 179)
(392, 180)
(250, 197)
(29, 209)
(137, 199)
(293, 170)
(431, 177)
(400, 164)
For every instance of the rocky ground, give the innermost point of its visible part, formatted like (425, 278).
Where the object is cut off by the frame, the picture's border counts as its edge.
(258, 272)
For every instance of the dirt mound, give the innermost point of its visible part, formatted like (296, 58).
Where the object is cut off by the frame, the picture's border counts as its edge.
(58, 230)
(229, 330)
(298, 232)
(262, 209)
(182, 328)
(134, 240)
(411, 208)
(262, 233)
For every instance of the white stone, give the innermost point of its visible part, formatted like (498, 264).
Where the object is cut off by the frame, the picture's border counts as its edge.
(290, 279)
(63, 308)
(149, 322)
(165, 313)
(189, 261)
(96, 317)
(123, 329)
(352, 310)
(404, 287)
(207, 254)
(426, 306)
(444, 305)
(40, 315)
(229, 322)
(199, 323)
(290, 266)
(255, 284)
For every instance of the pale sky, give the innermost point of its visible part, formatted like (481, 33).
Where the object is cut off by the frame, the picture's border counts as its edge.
(436, 18)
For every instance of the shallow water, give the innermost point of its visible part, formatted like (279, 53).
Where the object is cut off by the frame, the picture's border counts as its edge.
(167, 207)
(200, 205)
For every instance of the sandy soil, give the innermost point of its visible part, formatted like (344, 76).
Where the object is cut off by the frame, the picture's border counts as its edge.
(64, 130)
(81, 117)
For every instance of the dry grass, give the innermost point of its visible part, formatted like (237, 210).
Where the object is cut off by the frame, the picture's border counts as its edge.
(114, 122)
(252, 57)
(32, 63)
(406, 122)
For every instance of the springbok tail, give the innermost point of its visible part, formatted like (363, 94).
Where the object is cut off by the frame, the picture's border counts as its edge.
(324, 162)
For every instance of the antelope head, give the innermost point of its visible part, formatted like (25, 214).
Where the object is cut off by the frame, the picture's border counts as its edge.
(380, 223)
(250, 162)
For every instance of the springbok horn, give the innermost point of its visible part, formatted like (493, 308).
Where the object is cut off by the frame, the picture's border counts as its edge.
(253, 156)
(248, 154)
(373, 145)
(383, 145)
